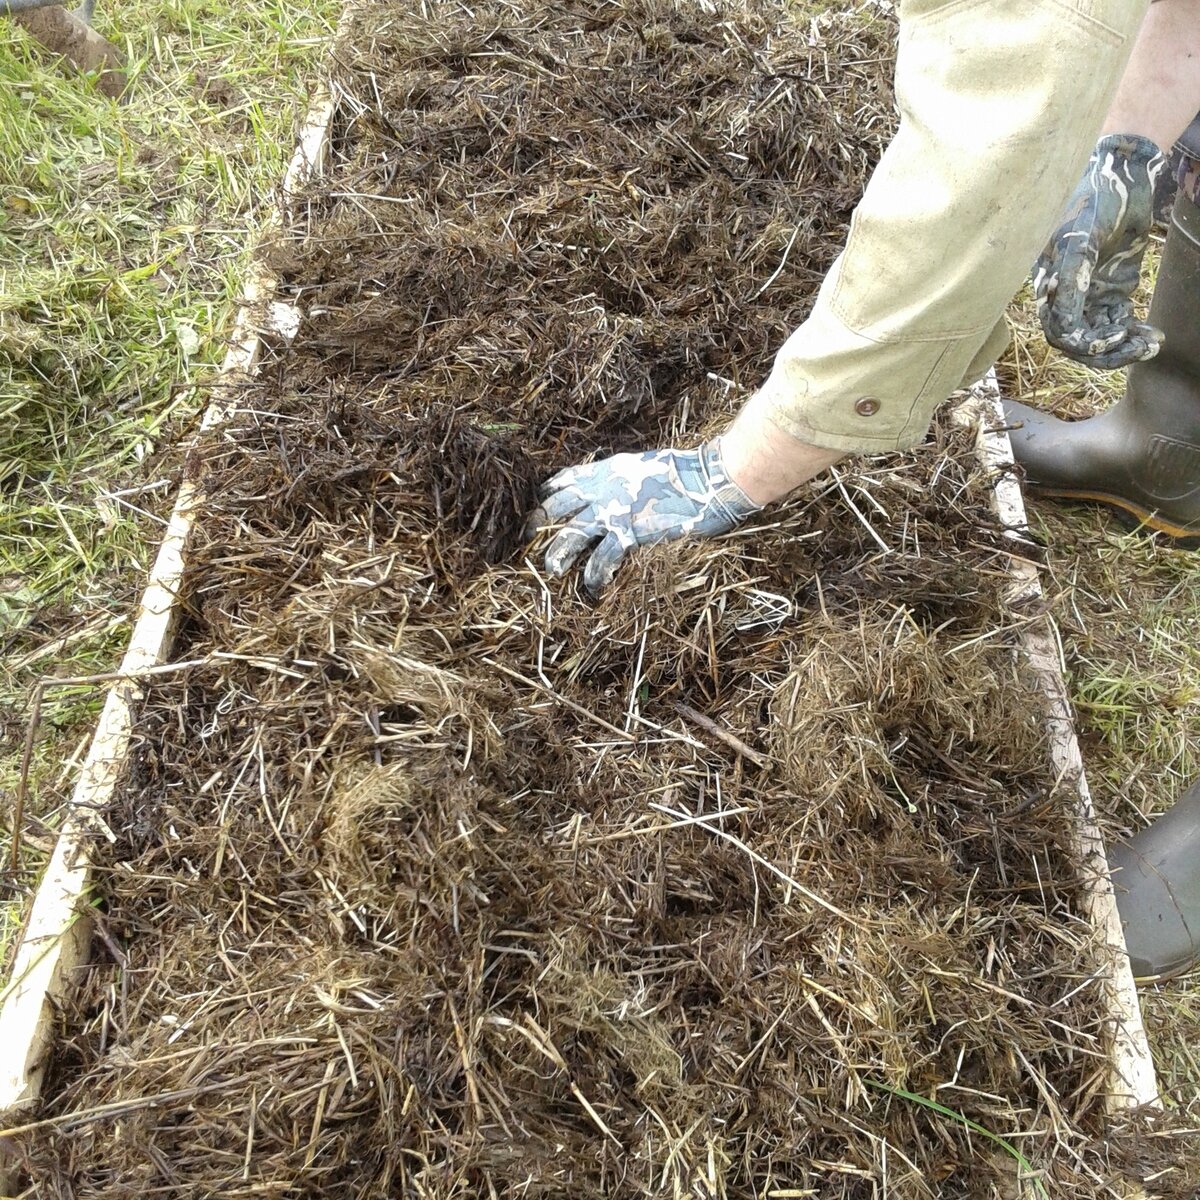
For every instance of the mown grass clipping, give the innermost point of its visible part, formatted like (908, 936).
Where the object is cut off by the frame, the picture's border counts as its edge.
(434, 879)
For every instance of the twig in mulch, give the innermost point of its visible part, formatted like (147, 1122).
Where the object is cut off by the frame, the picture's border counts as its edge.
(723, 735)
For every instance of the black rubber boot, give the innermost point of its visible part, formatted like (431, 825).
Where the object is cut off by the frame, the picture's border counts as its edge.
(1157, 881)
(1141, 458)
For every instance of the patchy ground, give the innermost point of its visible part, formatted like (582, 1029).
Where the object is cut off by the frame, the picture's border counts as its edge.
(430, 881)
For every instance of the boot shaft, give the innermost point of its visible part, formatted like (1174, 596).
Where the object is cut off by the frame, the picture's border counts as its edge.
(1175, 307)
(1165, 391)
(1142, 456)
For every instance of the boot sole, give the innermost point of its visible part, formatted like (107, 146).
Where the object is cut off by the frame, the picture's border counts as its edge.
(1144, 981)
(1131, 515)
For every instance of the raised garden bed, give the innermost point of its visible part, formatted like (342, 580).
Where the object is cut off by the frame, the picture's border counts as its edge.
(766, 876)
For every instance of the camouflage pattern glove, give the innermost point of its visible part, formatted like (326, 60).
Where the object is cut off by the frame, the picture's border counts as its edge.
(1086, 276)
(635, 500)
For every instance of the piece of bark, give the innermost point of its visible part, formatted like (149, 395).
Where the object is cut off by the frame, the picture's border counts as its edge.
(69, 35)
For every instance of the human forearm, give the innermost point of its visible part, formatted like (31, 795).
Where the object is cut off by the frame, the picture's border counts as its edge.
(1000, 104)
(1086, 278)
(765, 462)
(959, 206)
(1160, 90)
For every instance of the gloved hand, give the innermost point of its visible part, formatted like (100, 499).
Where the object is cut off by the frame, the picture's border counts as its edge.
(634, 500)
(1086, 276)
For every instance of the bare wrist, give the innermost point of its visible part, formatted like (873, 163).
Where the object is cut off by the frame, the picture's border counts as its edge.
(765, 462)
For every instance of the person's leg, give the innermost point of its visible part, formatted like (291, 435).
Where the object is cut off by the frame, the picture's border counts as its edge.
(988, 353)
(1141, 458)
(70, 34)
(1156, 877)
(999, 108)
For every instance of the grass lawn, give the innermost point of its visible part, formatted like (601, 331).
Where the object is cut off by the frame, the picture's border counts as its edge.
(124, 232)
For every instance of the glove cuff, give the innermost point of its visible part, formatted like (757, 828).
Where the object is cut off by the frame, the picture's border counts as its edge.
(724, 491)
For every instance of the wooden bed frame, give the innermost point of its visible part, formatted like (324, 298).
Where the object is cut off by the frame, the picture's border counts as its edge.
(1132, 1080)
(54, 944)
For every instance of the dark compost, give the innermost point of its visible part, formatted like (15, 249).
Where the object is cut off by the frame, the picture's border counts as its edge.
(435, 879)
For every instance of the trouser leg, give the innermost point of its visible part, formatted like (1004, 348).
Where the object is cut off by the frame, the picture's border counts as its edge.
(1000, 107)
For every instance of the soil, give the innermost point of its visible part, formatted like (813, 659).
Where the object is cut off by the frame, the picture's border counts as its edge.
(428, 882)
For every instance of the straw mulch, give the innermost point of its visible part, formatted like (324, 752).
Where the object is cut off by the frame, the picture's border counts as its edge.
(434, 879)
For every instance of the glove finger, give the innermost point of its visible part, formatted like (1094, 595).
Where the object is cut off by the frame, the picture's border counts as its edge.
(569, 478)
(600, 568)
(1065, 289)
(1115, 312)
(1137, 348)
(1089, 340)
(1152, 335)
(562, 505)
(1043, 278)
(1136, 338)
(1094, 340)
(570, 542)
(1108, 346)
(536, 522)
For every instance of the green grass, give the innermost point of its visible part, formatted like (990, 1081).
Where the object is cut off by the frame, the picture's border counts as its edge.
(124, 236)
(1028, 1173)
(1128, 609)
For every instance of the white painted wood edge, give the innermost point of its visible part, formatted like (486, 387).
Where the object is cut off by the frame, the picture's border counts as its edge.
(54, 942)
(1132, 1080)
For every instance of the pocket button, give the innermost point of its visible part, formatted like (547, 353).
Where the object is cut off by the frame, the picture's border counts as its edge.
(866, 406)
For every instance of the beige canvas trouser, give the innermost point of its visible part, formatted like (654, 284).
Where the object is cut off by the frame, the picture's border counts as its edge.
(1001, 102)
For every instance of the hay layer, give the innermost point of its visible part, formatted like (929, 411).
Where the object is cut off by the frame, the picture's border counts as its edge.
(436, 881)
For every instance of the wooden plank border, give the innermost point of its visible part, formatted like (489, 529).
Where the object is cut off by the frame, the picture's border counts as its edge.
(54, 942)
(1132, 1081)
